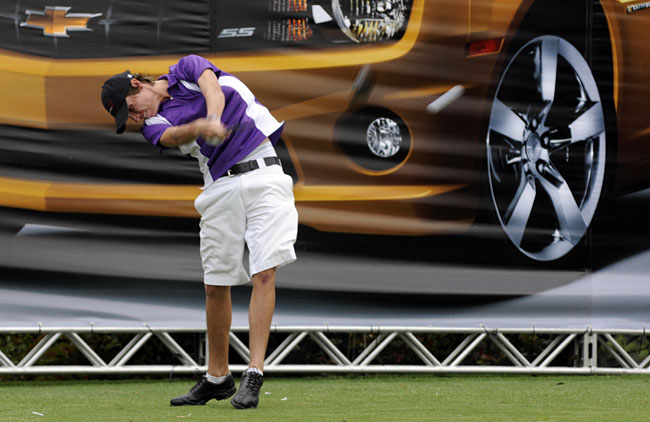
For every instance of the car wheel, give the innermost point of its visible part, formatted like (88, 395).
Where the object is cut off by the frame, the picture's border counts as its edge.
(546, 148)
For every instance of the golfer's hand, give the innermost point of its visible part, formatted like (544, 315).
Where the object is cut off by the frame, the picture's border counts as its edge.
(213, 131)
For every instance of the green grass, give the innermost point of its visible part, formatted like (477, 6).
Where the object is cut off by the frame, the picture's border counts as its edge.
(345, 398)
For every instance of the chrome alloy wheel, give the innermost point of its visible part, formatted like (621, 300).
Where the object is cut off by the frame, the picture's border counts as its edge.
(546, 147)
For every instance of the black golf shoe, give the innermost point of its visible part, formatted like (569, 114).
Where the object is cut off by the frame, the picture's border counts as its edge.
(205, 390)
(249, 391)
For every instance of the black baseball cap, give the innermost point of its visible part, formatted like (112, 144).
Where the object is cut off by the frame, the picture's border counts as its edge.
(114, 93)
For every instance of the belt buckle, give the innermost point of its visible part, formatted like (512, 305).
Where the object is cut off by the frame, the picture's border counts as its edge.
(229, 173)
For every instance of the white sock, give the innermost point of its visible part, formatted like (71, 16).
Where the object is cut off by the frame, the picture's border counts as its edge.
(256, 370)
(215, 380)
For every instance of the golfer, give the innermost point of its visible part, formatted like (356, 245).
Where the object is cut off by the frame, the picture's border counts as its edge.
(247, 200)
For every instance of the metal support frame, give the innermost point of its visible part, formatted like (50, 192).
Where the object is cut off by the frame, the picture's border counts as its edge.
(584, 340)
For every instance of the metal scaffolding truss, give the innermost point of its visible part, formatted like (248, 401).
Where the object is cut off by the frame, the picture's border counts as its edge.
(585, 344)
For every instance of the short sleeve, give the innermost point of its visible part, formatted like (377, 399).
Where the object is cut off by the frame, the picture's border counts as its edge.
(153, 132)
(189, 68)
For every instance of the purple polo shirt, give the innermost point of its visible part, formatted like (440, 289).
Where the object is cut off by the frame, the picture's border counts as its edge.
(187, 104)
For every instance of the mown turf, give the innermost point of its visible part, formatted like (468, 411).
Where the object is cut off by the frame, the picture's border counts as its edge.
(345, 398)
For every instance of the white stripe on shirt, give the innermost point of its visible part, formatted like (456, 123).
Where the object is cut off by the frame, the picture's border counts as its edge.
(157, 120)
(190, 85)
(264, 121)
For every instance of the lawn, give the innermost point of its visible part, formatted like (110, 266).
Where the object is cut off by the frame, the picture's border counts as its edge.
(343, 398)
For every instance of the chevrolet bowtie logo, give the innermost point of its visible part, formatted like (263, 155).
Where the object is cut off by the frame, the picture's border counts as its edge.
(56, 21)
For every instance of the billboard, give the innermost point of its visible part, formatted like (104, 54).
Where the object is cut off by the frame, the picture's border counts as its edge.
(436, 146)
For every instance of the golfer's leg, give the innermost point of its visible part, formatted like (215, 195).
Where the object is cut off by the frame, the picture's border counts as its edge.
(260, 314)
(218, 309)
(218, 312)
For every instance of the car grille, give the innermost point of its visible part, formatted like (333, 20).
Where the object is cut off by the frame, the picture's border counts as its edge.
(121, 28)
(124, 28)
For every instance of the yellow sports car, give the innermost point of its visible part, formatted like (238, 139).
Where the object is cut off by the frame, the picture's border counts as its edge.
(403, 117)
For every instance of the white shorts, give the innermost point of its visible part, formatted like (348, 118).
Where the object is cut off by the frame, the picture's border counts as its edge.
(255, 210)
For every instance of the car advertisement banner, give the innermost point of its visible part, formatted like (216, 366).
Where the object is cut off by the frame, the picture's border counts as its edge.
(453, 162)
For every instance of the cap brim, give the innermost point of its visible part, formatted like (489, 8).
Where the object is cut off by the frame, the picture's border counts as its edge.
(121, 116)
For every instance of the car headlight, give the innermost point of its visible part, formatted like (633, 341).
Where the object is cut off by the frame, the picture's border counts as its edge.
(371, 20)
(341, 21)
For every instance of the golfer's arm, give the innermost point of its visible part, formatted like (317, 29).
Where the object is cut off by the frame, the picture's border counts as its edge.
(215, 101)
(174, 136)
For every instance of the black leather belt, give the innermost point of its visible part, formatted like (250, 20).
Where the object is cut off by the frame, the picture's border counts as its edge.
(252, 165)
